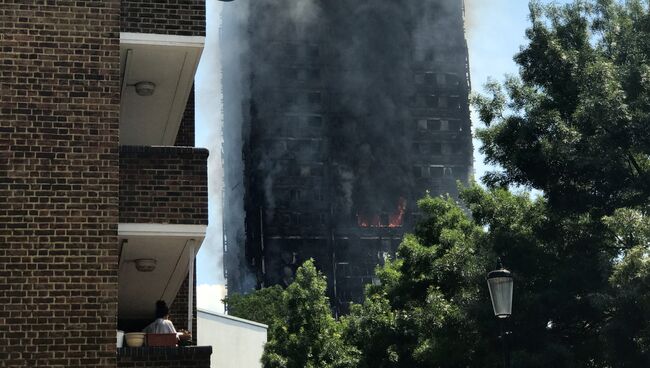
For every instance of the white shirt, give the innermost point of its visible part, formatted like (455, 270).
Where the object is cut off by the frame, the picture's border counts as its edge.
(160, 326)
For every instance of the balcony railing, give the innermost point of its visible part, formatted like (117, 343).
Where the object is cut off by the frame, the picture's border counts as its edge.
(189, 356)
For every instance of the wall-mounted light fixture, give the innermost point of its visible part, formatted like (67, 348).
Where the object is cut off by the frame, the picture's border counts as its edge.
(145, 88)
(145, 264)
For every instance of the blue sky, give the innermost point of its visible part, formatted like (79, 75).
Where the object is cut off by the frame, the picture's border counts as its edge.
(495, 32)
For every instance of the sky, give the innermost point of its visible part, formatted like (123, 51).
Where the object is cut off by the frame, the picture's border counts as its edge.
(495, 32)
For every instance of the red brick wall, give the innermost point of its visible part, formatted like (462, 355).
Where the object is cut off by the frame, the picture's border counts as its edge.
(167, 185)
(185, 137)
(156, 357)
(59, 122)
(179, 17)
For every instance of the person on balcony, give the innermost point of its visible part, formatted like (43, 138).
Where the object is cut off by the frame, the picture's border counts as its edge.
(162, 324)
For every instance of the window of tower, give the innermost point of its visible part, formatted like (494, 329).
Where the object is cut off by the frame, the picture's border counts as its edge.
(433, 124)
(314, 98)
(436, 172)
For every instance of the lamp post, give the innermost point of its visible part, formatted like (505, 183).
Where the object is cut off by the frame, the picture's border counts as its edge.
(500, 283)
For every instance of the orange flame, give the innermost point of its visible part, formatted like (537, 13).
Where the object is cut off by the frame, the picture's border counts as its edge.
(394, 220)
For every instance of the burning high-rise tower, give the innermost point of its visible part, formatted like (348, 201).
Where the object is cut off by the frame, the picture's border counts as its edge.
(352, 111)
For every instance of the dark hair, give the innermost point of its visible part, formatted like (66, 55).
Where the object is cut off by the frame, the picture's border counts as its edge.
(162, 310)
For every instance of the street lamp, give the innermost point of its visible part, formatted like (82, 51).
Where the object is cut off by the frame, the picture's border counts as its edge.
(500, 283)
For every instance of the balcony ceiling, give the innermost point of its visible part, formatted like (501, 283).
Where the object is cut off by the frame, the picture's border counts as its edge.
(169, 62)
(170, 246)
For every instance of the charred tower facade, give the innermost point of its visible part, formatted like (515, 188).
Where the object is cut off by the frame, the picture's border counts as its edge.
(353, 110)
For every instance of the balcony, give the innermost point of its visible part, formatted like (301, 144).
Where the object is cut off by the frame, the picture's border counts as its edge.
(163, 217)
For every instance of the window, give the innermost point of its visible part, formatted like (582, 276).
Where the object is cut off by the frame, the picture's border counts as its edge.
(418, 78)
(313, 51)
(431, 101)
(444, 125)
(429, 78)
(443, 102)
(454, 125)
(301, 75)
(315, 122)
(436, 172)
(305, 171)
(446, 148)
(314, 98)
(314, 74)
(433, 124)
(417, 172)
(295, 194)
(293, 125)
(422, 124)
(448, 172)
(440, 79)
(436, 148)
(290, 51)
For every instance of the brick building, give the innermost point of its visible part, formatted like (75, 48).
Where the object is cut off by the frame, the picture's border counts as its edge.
(353, 110)
(97, 173)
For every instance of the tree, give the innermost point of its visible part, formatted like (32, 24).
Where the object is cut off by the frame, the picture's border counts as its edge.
(302, 331)
(574, 124)
(432, 307)
(421, 315)
(263, 306)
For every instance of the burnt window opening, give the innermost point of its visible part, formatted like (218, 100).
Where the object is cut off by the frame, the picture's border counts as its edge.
(454, 102)
(315, 122)
(447, 148)
(301, 75)
(383, 219)
(437, 172)
(295, 194)
(443, 102)
(314, 98)
(322, 218)
(433, 124)
(420, 171)
(432, 101)
(452, 80)
(316, 170)
(458, 147)
(429, 78)
(436, 148)
(305, 170)
(420, 147)
(441, 80)
(418, 78)
(444, 125)
(290, 51)
(448, 173)
(292, 98)
(313, 74)
(313, 51)
(292, 123)
(295, 219)
(422, 124)
(277, 148)
(453, 125)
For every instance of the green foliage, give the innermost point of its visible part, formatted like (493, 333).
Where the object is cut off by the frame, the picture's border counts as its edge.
(574, 124)
(302, 332)
(263, 306)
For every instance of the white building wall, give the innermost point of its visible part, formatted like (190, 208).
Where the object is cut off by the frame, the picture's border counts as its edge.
(236, 342)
